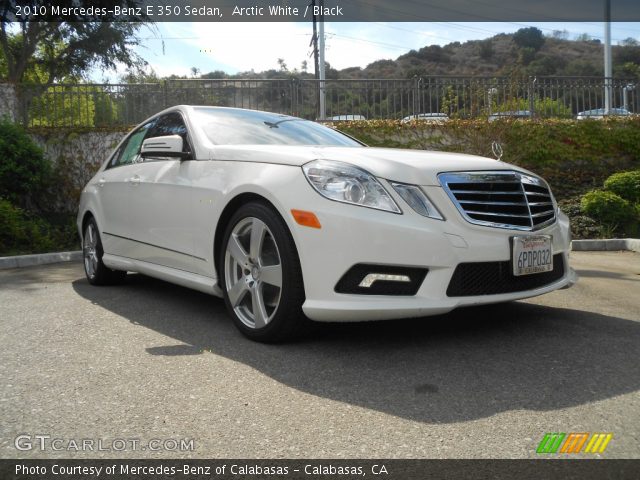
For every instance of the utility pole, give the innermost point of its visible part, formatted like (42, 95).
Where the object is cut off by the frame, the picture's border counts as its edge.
(323, 112)
(314, 39)
(608, 71)
(314, 42)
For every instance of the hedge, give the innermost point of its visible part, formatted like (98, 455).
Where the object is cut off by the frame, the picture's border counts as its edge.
(572, 155)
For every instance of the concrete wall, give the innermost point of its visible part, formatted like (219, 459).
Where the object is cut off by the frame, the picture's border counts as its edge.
(88, 148)
(76, 156)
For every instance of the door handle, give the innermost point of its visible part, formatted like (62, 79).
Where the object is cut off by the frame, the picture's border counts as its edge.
(135, 180)
(101, 182)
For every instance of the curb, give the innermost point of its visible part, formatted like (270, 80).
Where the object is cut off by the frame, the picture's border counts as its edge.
(614, 244)
(20, 261)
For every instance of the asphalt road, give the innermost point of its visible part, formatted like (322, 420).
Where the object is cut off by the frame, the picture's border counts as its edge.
(149, 360)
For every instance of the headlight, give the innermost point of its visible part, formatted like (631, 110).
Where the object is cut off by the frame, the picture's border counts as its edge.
(348, 184)
(417, 199)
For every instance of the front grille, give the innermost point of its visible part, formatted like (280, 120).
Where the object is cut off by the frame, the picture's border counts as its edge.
(502, 199)
(492, 278)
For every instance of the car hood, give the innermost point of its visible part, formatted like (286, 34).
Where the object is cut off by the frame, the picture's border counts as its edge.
(418, 167)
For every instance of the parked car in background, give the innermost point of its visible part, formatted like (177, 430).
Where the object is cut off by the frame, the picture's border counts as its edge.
(289, 220)
(427, 117)
(598, 113)
(346, 118)
(515, 114)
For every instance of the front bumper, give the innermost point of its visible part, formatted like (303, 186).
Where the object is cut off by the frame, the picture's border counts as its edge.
(352, 235)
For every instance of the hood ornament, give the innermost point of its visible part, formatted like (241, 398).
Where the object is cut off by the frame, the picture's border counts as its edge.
(496, 148)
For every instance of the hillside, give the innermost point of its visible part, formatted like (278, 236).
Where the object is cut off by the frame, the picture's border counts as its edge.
(504, 55)
(526, 52)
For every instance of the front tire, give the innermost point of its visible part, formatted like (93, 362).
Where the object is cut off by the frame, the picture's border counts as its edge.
(261, 276)
(92, 252)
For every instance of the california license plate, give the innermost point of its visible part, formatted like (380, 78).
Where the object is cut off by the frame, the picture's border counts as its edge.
(532, 254)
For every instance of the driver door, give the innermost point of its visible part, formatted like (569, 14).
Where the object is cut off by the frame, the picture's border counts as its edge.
(160, 202)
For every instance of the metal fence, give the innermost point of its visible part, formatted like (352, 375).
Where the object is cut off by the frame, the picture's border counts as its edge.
(96, 105)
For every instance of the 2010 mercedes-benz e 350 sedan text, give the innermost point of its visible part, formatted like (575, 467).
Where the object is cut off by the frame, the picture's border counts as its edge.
(289, 220)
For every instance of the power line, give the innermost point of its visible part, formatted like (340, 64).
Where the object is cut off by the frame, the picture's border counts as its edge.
(373, 42)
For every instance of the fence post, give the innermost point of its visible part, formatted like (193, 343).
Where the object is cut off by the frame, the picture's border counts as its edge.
(532, 94)
(416, 94)
(293, 93)
(164, 94)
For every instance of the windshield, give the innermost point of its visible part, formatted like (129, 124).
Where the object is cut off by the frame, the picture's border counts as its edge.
(227, 126)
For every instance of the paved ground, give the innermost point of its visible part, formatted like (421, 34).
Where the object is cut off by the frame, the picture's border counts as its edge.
(149, 360)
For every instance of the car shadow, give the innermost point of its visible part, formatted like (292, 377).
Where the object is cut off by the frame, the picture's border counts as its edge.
(469, 364)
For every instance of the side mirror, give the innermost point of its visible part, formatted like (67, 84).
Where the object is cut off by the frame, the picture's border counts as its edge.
(168, 146)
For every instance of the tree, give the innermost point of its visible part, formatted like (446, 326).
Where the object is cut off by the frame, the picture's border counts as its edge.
(46, 52)
(526, 55)
(214, 74)
(485, 49)
(560, 34)
(630, 42)
(530, 37)
(282, 65)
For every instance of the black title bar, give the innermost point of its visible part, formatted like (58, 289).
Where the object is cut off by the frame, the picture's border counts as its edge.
(304, 10)
(329, 469)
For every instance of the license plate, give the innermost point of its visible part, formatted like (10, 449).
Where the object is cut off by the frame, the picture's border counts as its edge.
(532, 255)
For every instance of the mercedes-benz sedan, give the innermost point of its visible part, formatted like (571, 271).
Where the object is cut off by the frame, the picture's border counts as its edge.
(289, 220)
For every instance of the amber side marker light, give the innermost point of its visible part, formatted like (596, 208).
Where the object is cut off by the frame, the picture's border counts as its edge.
(306, 219)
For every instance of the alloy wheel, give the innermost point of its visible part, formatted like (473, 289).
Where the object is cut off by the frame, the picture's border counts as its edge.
(89, 249)
(253, 272)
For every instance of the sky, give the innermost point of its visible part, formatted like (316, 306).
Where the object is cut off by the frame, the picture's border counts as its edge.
(175, 48)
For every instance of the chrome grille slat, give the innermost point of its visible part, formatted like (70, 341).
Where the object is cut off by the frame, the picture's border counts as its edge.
(542, 214)
(538, 194)
(489, 214)
(518, 204)
(501, 199)
(484, 192)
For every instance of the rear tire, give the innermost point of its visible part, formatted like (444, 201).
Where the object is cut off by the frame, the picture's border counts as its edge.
(92, 252)
(260, 275)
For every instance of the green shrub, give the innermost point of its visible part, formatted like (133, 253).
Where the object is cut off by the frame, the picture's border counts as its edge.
(608, 207)
(582, 226)
(24, 171)
(625, 184)
(22, 232)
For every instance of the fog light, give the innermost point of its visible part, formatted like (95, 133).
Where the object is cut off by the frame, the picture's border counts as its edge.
(374, 277)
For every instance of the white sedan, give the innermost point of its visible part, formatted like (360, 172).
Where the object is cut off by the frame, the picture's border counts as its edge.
(289, 220)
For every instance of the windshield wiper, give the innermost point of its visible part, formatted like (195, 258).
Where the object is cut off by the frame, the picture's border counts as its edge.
(275, 124)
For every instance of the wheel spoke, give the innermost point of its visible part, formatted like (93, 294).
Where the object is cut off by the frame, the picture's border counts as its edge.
(258, 229)
(237, 292)
(272, 274)
(91, 242)
(236, 251)
(260, 316)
